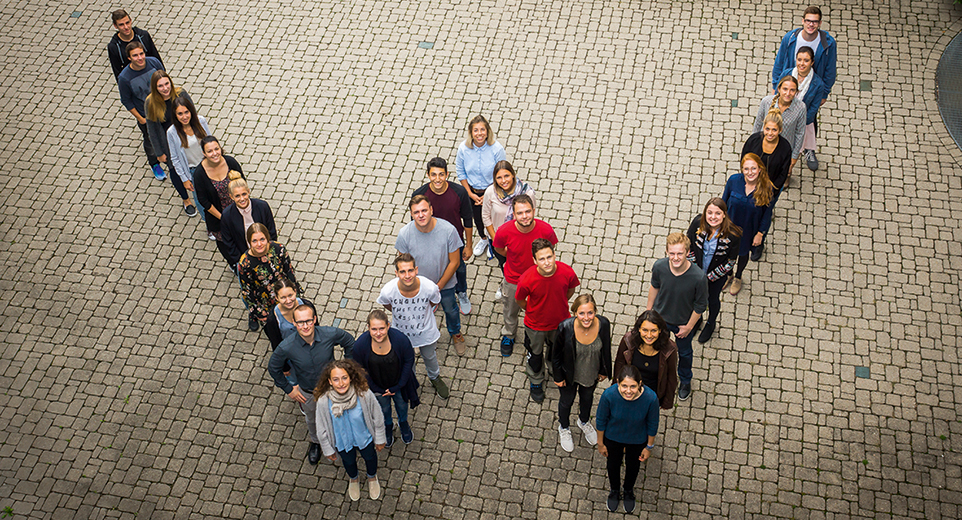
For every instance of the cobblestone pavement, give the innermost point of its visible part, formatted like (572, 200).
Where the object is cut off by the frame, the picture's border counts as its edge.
(132, 389)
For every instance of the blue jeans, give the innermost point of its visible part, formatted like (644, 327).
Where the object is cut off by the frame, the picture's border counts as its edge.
(349, 458)
(461, 275)
(685, 354)
(399, 404)
(200, 209)
(452, 312)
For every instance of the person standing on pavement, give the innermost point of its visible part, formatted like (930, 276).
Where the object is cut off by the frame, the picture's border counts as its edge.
(134, 85)
(386, 355)
(773, 149)
(263, 265)
(160, 115)
(826, 53)
(581, 360)
(749, 196)
(126, 33)
(474, 165)
(450, 202)
(238, 217)
(812, 90)
(792, 109)
(627, 421)
(513, 241)
(497, 201)
(543, 293)
(184, 136)
(715, 243)
(412, 300)
(211, 179)
(679, 294)
(648, 347)
(348, 422)
(436, 246)
(308, 352)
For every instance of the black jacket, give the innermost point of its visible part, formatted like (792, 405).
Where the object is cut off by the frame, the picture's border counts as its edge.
(563, 353)
(207, 194)
(117, 51)
(232, 230)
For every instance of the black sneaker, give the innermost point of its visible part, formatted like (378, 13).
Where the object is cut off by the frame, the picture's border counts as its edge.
(629, 501)
(757, 252)
(507, 346)
(613, 498)
(706, 332)
(537, 393)
(684, 391)
(389, 434)
(190, 210)
(253, 324)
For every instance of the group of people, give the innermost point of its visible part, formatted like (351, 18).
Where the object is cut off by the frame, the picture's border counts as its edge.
(350, 403)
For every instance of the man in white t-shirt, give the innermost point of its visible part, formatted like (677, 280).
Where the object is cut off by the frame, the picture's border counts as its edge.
(412, 300)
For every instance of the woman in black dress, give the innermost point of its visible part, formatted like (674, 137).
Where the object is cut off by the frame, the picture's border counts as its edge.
(211, 179)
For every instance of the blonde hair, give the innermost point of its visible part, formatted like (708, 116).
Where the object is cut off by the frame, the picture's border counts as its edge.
(774, 116)
(156, 106)
(480, 119)
(774, 106)
(679, 238)
(236, 181)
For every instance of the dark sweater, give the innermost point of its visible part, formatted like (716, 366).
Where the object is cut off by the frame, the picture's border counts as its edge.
(117, 50)
(408, 383)
(207, 194)
(679, 296)
(232, 230)
(778, 163)
(627, 422)
(563, 353)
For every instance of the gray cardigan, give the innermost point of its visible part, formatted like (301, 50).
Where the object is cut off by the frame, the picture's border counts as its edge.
(373, 418)
(793, 122)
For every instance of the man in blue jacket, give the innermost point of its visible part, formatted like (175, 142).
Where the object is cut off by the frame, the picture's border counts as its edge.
(822, 43)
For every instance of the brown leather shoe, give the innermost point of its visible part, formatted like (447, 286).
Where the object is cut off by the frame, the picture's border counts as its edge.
(736, 286)
(459, 345)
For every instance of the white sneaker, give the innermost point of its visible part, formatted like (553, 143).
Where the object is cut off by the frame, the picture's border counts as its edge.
(591, 435)
(480, 247)
(564, 437)
(498, 295)
(374, 488)
(464, 303)
(354, 490)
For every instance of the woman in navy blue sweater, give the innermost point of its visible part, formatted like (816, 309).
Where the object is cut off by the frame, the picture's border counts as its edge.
(627, 421)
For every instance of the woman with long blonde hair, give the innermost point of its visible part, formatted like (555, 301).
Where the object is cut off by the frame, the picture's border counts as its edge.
(160, 116)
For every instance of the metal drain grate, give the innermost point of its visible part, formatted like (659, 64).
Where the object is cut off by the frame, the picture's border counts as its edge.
(948, 81)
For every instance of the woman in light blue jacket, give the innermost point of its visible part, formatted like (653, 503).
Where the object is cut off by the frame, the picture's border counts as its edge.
(183, 139)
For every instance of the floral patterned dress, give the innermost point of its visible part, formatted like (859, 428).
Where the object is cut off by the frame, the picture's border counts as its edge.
(257, 277)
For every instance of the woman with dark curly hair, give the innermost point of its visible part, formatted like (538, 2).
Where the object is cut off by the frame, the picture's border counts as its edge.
(648, 347)
(349, 420)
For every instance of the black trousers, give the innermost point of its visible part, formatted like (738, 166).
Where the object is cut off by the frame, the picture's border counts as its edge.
(629, 453)
(476, 209)
(586, 396)
(148, 149)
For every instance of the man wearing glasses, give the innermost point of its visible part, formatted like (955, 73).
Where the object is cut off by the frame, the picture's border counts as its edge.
(307, 352)
(822, 43)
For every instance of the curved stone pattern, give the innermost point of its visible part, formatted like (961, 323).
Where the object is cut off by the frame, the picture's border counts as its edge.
(949, 83)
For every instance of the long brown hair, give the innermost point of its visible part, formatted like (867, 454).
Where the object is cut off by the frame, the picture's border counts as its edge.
(199, 133)
(727, 229)
(156, 106)
(354, 371)
(764, 189)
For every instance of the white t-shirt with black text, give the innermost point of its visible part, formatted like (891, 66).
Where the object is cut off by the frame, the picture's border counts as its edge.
(414, 316)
